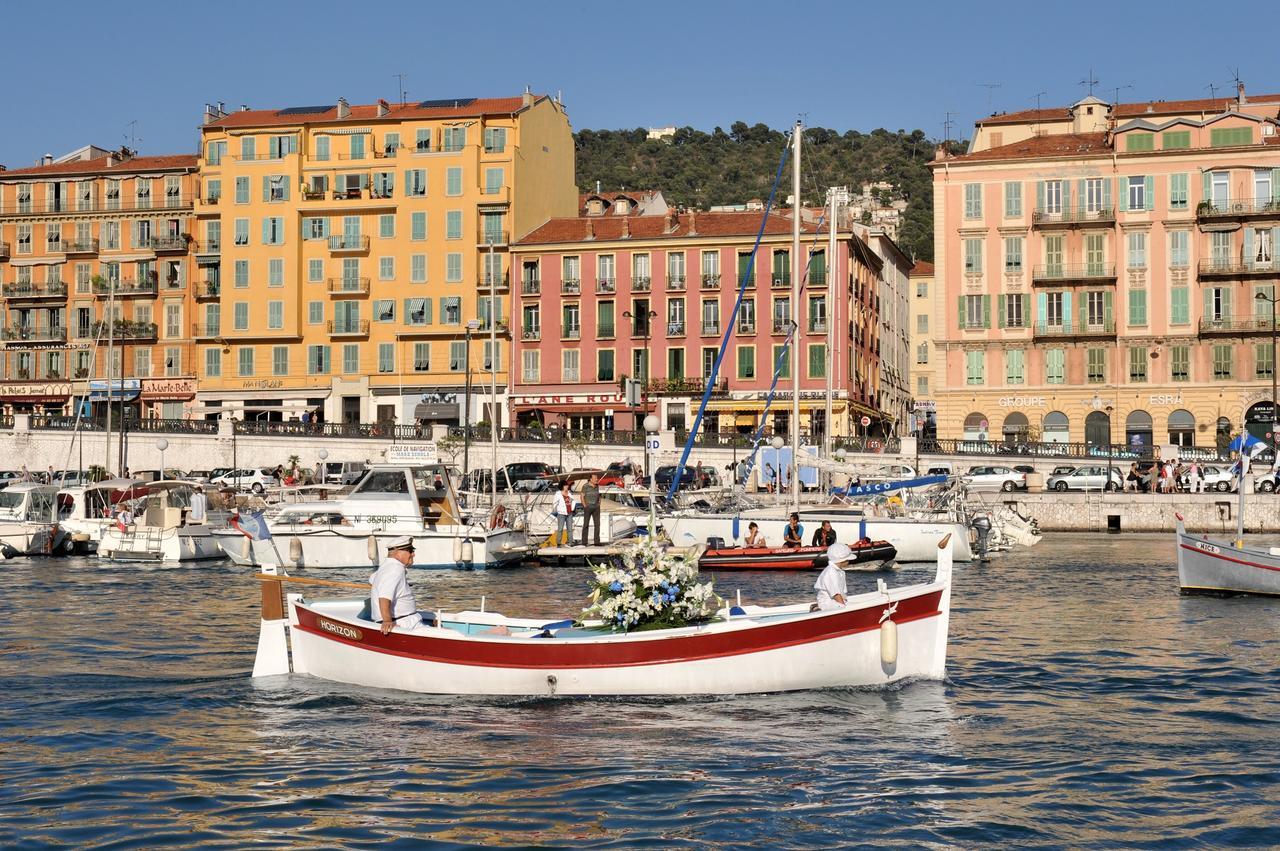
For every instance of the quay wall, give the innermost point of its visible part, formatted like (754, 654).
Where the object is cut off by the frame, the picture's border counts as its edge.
(1211, 513)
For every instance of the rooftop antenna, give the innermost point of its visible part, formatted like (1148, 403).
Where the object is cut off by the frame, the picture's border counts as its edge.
(1089, 81)
(400, 77)
(1115, 92)
(1235, 80)
(132, 135)
(989, 87)
(1037, 96)
(1213, 90)
(946, 127)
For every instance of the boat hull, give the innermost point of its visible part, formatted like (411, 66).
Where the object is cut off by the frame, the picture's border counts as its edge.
(189, 543)
(793, 558)
(334, 548)
(802, 650)
(1216, 568)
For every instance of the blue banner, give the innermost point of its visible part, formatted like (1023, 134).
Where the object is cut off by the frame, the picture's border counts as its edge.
(885, 487)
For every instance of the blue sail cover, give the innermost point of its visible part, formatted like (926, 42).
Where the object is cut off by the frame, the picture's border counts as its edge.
(884, 487)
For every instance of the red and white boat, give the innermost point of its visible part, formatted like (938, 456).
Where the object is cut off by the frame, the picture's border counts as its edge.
(870, 555)
(877, 638)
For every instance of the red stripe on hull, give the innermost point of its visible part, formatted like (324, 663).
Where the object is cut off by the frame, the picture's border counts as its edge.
(553, 653)
(1208, 554)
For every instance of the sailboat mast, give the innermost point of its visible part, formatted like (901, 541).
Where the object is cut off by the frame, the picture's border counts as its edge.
(494, 418)
(797, 270)
(833, 264)
(111, 341)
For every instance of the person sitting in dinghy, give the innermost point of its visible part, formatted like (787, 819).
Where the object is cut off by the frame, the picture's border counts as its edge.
(824, 536)
(831, 585)
(391, 601)
(793, 534)
(754, 538)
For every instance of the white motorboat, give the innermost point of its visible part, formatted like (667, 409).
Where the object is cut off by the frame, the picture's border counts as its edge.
(877, 638)
(915, 540)
(161, 529)
(86, 511)
(391, 500)
(26, 515)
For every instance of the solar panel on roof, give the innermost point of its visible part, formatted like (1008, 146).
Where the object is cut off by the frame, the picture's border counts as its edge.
(446, 102)
(304, 110)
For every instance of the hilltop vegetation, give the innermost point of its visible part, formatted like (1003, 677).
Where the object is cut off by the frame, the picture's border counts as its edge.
(700, 169)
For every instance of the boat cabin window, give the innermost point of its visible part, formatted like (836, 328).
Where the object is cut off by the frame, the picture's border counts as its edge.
(10, 502)
(40, 509)
(384, 481)
(434, 499)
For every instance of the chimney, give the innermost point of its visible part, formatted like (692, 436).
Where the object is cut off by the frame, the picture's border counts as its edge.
(111, 159)
(591, 229)
(344, 111)
(528, 97)
(222, 107)
(383, 108)
(47, 159)
(626, 227)
(244, 107)
(673, 220)
(1240, 98)
(597, 187)
(940, 153)
(693, 222)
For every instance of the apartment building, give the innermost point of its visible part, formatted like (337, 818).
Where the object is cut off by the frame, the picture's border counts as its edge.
(922, 348)
(1105, 273)
(893, 340)
(353, 259)
(93, 237)
(602, 298)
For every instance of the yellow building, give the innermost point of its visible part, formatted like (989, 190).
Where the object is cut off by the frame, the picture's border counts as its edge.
(87, 235)
(345, 251)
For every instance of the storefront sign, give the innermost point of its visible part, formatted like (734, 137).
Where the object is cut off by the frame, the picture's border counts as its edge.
(1166, 398)
(57, 388)
(572, 399)
(1021, 402)
(415, 453)
(168, 388)
(262, 384)
(926, 406)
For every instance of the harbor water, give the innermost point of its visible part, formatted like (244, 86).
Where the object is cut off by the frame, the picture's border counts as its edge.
(1087, 703)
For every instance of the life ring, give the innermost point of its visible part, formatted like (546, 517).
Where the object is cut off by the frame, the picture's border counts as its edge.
(498, 517)
(894, 501)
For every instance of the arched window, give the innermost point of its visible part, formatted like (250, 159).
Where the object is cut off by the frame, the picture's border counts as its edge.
(1056, 428)
(1097, 428)
(1138, 433)
(975, 427)
(1257, 420)
(1015, 427)
(1182, 428)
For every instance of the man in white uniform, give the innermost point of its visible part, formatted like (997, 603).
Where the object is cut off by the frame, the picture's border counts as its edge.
(199, 508)
(391, 599)
(831, 586)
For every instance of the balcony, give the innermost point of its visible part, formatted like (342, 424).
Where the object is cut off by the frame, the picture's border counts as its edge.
(781, 282)
(349, 329)
(1238, 208)
(497, 282)
(81, 246)
(782, 326)
(495, 195)
(493, 236)
(212, 199)
(675, 328)
(1237, 269)
(103, 205)
(124, 329)
(818, 326)
(206, 332)
(1059, 275)
(605, 331)
(32, 291)
(314, 193)
(605, 286)
(165, 244)
(818, 279)
(531, 286)
(33, 333)
(348, 286)
(344, 244)
(1239, 326)
(128, 287)
(213, 248)
(710, 327)
(710, 282)
(640, 285)
(1072, 217)
(208, 290)
(1069, 330)
(571, 286)
(572, 333)
(532, 333)
(675, 283)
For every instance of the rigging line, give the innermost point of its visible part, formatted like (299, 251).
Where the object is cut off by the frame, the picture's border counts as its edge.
(728, 328)
(77, 434)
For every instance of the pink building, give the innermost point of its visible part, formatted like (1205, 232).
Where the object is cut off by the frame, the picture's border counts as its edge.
(604, 297)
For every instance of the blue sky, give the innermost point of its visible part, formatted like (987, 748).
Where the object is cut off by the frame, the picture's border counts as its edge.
(79, 77)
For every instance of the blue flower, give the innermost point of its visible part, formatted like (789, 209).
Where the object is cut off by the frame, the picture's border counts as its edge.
(615, 587)
(675, 589)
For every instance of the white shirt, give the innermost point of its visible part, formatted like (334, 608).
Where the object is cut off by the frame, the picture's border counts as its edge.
(390, 582)
(562, 504)
(830, 582)
(199, 507)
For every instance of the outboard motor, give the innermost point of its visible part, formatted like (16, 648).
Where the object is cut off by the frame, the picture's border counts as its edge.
(981, 526)
(715, 543)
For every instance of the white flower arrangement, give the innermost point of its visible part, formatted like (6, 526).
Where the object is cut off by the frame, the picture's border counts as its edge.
(650, 589)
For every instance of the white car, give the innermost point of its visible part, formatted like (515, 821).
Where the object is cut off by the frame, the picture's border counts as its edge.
(1004, 478)
(1091, 477)
(256, 479)
(1220, 479)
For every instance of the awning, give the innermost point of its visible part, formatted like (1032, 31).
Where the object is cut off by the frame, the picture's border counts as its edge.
(117, 395)
(437, 411)
(38, 261)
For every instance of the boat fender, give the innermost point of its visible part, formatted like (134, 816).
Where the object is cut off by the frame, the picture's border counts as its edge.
(373, 548)
(457, 549)
(888, 637)
(246, 548)
(295, 551)
(465, 551)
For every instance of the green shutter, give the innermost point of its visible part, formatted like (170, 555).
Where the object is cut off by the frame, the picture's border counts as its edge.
(1248, 246)
(266, 231)
(266, 188)
(1150, 191)
(1106, 193)
(1275, 191)
(1039, 195)
(986, 311)
(1066, 197)
(960, 313)
(1084, 310)
(1000, 313)
(1066, 311)
(1226, 303)
(1081, 195)
(1042, 309)
(1208, 303)
(1026, 310)
(1207, 184)
(1106, 308)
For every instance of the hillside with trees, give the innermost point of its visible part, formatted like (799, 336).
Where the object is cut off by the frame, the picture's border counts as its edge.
(700, 169)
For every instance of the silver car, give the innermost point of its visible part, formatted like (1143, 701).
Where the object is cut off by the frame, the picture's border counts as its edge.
(1004, 478)
(1091, 477)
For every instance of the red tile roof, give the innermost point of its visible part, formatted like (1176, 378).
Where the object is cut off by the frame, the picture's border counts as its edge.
(1037, 147)
(99, 165)
(689, 226)
(369, 112)
(1211, 106)
(922, 269)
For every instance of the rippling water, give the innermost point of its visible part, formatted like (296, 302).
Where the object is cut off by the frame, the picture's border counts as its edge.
(1086, 703)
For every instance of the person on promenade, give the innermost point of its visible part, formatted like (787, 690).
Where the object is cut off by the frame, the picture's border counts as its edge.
(591, 507)
(391, 600)
(1194, 480)
(1132, 479)
(26, 474)
(754, 538)
(793, 535)
(824, 536)
(562, 510)
(199, 509)
(831, 586)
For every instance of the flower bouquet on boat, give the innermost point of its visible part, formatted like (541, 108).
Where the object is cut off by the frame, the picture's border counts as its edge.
(651, 628)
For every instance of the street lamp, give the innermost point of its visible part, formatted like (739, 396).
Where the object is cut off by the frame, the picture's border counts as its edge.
(777, 443)
(651, 425)
(650, 315)
(162, 445)
(472, 325)
(1272, 298)
(323, 453)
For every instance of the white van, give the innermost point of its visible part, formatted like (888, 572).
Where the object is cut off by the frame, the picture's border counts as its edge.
(343, 472)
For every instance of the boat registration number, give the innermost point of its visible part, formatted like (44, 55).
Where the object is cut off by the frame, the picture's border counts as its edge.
(1208, 547)
(375, 519)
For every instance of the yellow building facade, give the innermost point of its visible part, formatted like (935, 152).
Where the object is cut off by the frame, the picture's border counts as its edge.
(351, 257)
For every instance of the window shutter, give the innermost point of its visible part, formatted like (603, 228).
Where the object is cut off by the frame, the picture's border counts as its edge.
(986, 311)
(340, 183)
(1248, 246)
(407, 182)
(1066, 196)
(364, 180)
(1066, 311)
(1039, 195)
(1275, 233)
(266, 231)
(1106, 194)
(426, 311)
(1107, 314)
(1208, 302)
(1026, 310)
(1208, 185)
(1000, 310)
(1081, 195)
(1042, 308)
(1275, 190)
(960, 313)
(1150, 191)
(1226, 303)
(266, 188)
(285, 189)
(1084, 312)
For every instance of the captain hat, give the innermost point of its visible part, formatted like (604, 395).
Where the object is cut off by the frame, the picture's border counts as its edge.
(404, 542)
(839, 553)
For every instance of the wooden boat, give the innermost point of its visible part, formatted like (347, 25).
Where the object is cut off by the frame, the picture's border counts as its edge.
(875, 553)
(1224, 569)
(877, 638)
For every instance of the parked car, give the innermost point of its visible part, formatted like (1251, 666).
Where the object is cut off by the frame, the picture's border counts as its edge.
(198, 476)
(1091, 477)
(995, 477)
(343, 472)
(8, 477)
(70, 478)
(1265, 482)
(615, 474)
(1216, 478)
(154, 475)
(256, 479)
(939, 470)
(1063, 469)
(1024, 468)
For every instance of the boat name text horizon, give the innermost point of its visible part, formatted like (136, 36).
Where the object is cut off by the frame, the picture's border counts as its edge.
(339, 629)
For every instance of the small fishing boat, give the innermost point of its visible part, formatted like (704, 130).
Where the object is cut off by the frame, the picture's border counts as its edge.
(877, 638)
(1225, 569)
(161, 531)
(875, 555)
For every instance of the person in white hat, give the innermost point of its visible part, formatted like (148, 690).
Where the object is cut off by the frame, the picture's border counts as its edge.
(391, 600)
(831, 586)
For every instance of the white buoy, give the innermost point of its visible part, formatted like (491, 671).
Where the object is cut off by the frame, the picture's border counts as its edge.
(466, 552)
(888, 642)
(246, 549)
(373, 548)
(295, 551)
